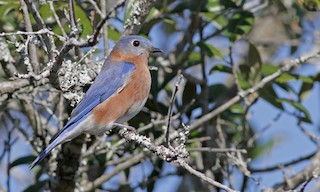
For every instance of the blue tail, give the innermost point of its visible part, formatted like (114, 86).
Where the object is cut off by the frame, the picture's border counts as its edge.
(44, 153)
(69, 132)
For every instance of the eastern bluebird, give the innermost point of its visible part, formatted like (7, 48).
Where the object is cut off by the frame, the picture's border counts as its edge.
(118, 93)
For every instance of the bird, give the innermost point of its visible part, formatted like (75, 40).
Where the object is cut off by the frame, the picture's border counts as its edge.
(117, 94)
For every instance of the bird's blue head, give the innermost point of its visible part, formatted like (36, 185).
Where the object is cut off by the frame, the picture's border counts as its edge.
(134, 45)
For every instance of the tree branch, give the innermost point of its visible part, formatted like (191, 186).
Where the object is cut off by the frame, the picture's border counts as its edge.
(297, 179)
(285, 68)
(137, 17)
(166, 154)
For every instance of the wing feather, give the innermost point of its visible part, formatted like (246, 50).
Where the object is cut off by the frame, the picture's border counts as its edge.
(113, 76)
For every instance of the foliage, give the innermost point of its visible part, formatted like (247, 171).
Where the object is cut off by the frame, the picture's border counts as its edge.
(222, 48)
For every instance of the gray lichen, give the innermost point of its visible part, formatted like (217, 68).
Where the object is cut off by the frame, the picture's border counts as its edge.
(74, 76)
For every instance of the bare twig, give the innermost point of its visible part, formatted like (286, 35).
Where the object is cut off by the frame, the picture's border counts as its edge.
(162, 152)
(94, 38)
(216, 150)
(32, 48)
(120, 167)
(48, 40)
(57, 18)
(265, 128)
(167, 155)
(170, 111)
(306, 183)
(11, 86)
(313, 137)
(95, 5)
(104, 29)
(72, 17)
(39, 32)
(285, 68)
(202, 176)
(303, 176)
(304, 158)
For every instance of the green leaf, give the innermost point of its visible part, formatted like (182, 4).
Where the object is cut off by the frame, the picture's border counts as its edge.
(220, 68)
(114, 34)
(147, 26)
(209, 50)
(239, 24)
(191, 5)
(212, 6)
(305, 90)
(237, 109)
(22, 160)
(285, 77)
(37, 186)
(169, 25)
(268, 69)
(253, 58)
(84, 22)
(215, 91)
(300, 107)
(243, 76)
(255, 63)
(260, 149)
(305, 79)
(269, 95)
(189, 93)
(249, 73)
(194, 57)
(45, 11)
(7, 7)
(228, 3)
(311, 5)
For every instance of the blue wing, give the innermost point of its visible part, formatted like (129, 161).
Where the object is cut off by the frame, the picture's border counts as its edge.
(112, 77)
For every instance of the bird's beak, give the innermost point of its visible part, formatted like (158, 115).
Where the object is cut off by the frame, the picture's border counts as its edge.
(155, 50)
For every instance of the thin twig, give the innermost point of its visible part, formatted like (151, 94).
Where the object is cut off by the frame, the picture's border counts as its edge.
(170, 111)
(252, 139)
(105, 29)
(216, 150)
(39, 32)
(94, 39)
(313, 137)
(272, 168)
(72, 17)
(202, 176)
(57, 18)
(285, 68)
(95, 5)
(306, 183)
(298, 178)
(48, 40)
(165, 154)
(120, 167)
(33, 53)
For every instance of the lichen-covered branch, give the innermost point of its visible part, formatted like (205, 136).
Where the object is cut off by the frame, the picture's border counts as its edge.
(137, 17)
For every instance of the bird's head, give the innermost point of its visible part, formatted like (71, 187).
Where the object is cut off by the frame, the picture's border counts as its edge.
(134, 45)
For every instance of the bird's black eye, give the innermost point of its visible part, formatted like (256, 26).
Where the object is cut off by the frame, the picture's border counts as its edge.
(136, 43)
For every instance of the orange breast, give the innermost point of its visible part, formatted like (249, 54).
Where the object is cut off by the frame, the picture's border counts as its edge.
(136, 90)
